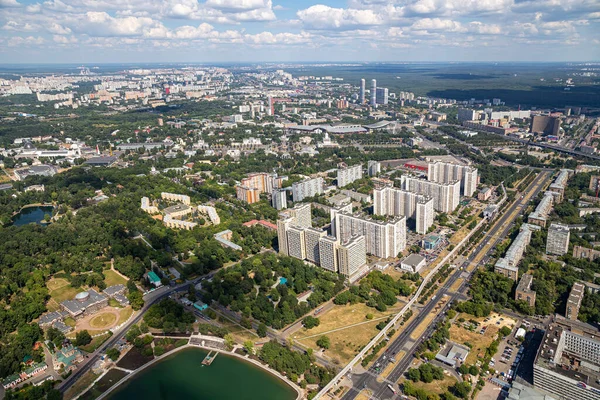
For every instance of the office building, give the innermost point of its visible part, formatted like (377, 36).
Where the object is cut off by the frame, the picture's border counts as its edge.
(351, 256)
(373, 168)
(382, 96)
(443, 172)
(383, 239)
(328, 253)
(545, 124)
(567, 363)
(574, 302)
(361, 96)
(523, 291)
(560, 183)
(398, 202)
(446, 196)
(373, 92)
(541, 212)
(312, 236)
(307, 188)
(279, 199)
(558, 239)
(509, 264)
(347, 175)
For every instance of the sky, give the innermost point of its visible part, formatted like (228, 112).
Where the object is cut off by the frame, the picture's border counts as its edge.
(113, 31)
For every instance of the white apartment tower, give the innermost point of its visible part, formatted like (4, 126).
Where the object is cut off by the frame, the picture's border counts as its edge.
(279, 199)
(296, 242)
(346, 176)
(442, 172)
(361, 96)
(373, 92)
(397, 202)
(558, 239)
(446, 196)
(299, 216)
(383, 239)
(352, 256)
(328, 253)
(373, 168)
(307, 188)
(312, 236)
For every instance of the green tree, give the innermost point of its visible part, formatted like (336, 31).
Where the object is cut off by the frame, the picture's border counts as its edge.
(261, 330)
(83, 338)
(324, 342)
(229, 342)
(113, 353)
(249, 346)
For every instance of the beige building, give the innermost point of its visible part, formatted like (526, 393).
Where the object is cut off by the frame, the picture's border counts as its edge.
(523, 291)
(574, 301)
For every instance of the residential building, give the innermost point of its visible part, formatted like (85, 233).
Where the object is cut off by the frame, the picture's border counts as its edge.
(509, 264)
(299, 216)
(541, 212)
(373, 168)
(523, 291)
(443, 172)
(560, 183)
(361, 96)
(567, 363)
(251, 187)
(446, 196)
(584, 252)
(296, 242)
(328, 257)
(279, 199)
(484, 194)
(307, 188)
(352, 256)
(381, 96)
(373, 93)
(558, 239)
(383, 239)
(465, 114)
(398, 202)
(312, 237)
(574, 302)
(413, 263)
(347, 175)
(180, 198)
(356, 196)
(224, 238)
(148, 207)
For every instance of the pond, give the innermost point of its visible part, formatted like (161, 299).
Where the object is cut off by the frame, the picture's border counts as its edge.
(30, 215)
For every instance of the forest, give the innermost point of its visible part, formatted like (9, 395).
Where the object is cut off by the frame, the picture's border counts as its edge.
(251, 288)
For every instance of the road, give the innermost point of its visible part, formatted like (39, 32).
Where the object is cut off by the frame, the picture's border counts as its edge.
(495, 235)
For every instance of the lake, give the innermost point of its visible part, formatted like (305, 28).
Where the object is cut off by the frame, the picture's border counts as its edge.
(30, 215)
(182, 376)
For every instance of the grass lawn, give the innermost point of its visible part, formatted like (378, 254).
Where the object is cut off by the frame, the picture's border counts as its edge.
(61, 290)
(95, 343)
(113, 376)
(103, 320)
(113, 303)
(124, 315)
(240, 333)
(112, 278)
(437, 387)
(70, 322)
(82, 383)
(345, 343)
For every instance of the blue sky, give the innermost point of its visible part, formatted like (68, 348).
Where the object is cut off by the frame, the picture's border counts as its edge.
(94, 31)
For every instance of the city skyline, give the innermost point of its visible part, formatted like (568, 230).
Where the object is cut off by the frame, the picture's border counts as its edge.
(69, 31)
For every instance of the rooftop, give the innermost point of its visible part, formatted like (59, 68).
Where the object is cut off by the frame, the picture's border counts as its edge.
(413, 260)
(82, 301)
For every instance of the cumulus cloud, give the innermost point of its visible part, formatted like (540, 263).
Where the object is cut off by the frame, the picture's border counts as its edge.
(324, 17)
(9, 4)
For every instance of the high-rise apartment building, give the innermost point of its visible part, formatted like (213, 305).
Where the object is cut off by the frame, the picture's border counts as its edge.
(557, 242)
(312, 236)
(382, 96)
(296, 242)
(279, 199)
(545, 124)
(443, 172)
(347, 175)
(299, 216)
(465, 114)
(373, 168)
(446, 196)
(352, 256)
(398, 202)
(307, 188)
(373, 92)
(383, 239)
(284, 223)
(251, 187)
(328, 253)
(361, 96)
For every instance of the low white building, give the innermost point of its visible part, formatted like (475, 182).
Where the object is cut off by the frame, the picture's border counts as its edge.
(413, 263)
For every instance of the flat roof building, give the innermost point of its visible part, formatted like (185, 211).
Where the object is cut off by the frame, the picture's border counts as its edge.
(557, 242)
(523, 291)
(413, 263)
(509, 264)
(574, 301)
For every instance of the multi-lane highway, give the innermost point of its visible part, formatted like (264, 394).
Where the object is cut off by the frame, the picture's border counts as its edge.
(495, 235)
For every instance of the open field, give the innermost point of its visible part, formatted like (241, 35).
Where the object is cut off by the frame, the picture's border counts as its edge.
(339, 324)
(103, 320)
(112, 278)
(61, 290)
(437, 387)
(56, 283)
(83, 382)
(479, 342)
(124, 315)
